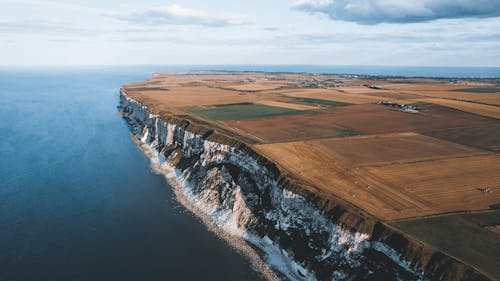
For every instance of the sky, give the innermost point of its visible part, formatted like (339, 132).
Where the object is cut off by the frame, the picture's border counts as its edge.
(319, 32)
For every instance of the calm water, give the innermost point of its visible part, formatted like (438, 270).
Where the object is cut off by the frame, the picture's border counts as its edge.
(404, 71)
(77, 198)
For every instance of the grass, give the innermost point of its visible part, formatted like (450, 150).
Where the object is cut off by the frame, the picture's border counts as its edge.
(322, 102)
(347, 133)
(245, 111)
(462, 236)
(479, 90)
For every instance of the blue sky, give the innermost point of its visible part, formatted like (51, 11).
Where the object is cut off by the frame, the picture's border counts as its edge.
(332, 32)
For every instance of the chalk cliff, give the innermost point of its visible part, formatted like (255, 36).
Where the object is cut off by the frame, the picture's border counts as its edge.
(300, 233)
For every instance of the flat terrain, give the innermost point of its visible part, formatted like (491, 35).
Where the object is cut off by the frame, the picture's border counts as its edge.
(244, 111)
(480, 90)
(487, 138)
(448, 185)
(476, 108)
(291, 128)
(416, 153)
(320, 168)
(463, 236)
(391, 149)
(336, 96)
(378, 119)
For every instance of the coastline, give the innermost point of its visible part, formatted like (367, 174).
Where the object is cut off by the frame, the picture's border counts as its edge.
(376, 239)
(172, 177)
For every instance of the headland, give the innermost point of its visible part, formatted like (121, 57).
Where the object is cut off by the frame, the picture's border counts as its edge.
(336, 175)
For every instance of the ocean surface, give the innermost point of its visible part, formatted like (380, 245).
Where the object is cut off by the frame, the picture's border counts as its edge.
(399, 71)
(78, 200)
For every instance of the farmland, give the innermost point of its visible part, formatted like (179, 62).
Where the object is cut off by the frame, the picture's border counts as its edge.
(479, 90)
(476, 108)
(487, 138)
(289, 105)
(378, 119)
(436, 165)
(336, 96)
(320, 168)
(395, 185)
(321, 102)
(471, 241)
(391, 148)
(448, 92)
(448, 185)
(244, 111)
(291, 127)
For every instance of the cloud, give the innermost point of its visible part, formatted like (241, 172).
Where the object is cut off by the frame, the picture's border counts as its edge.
(177, 15)
(399, 11)
(37, 26)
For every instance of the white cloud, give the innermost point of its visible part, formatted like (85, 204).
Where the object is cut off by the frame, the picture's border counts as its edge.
(399, 11)
(177, 15)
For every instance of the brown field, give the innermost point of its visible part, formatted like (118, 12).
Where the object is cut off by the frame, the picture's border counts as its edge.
(337, 96)
(188, 97)
(392, 170)
(431, 86)
(383, 93)
(487, 138)
(287, 128)
(391, 149)
(378, 119)
(488, 98)
(389, 189)
(450, 185)
(254, 86)
(324, 171)
(419, 91)
(289, 105)
(391, 96)
(479, 109)
(408, 169)
(179, 98)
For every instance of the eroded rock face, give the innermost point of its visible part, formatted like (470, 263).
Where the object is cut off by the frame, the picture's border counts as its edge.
(249, 199)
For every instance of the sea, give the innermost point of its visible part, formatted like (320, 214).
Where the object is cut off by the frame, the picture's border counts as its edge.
(78, 198)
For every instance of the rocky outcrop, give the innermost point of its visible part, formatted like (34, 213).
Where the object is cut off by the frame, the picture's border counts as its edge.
(299, 232)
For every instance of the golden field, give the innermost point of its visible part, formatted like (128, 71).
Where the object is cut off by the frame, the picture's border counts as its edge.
(331, 132)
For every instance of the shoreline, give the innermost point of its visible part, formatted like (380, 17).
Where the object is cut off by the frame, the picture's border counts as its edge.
(387, 250)
(236, 163)
(239, 244)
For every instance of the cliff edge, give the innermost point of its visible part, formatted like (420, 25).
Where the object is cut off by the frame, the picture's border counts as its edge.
(300, 232)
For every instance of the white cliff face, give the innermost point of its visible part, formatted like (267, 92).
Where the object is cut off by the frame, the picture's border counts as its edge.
(244, 199)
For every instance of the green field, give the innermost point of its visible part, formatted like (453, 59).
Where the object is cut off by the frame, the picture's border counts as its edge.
(463, 236)
(322, 102)
(479, 90)
(245, 111)
(347, 133)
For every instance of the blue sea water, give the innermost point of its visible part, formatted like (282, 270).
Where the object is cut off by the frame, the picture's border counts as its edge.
(398, 71)
(78, 200)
